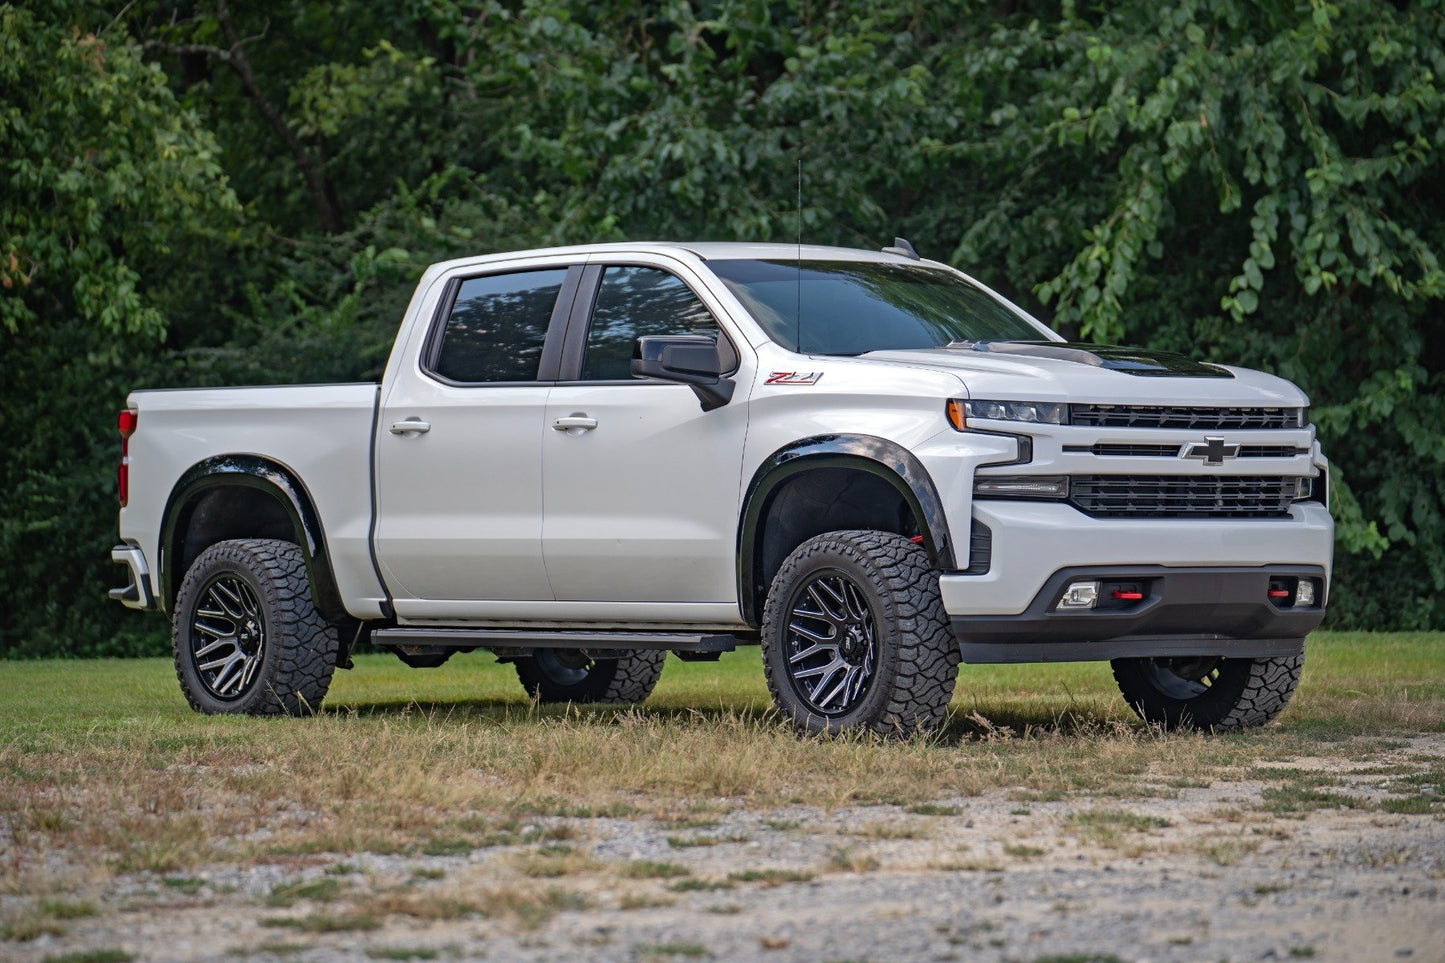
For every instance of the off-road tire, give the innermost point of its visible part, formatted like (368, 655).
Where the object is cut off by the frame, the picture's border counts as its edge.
(297, 647)
(916, 658)
(622, 678)
(1232, 694)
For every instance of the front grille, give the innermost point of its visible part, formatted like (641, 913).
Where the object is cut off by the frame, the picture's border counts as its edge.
(1146, 416)
(1182, 496)
(1113, 450)
(1127, 451)
(1271, 451)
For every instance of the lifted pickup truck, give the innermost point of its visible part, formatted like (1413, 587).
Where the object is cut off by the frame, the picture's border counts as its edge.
(584, 458)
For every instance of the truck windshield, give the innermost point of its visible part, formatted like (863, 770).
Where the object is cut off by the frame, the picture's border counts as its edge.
(853, 307)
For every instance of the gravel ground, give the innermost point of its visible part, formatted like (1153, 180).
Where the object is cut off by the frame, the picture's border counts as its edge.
(1201, 875)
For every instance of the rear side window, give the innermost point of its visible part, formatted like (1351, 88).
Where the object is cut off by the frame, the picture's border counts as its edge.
(633, 302)
(496, 327)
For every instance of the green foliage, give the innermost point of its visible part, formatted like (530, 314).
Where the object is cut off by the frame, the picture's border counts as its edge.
(195, 195)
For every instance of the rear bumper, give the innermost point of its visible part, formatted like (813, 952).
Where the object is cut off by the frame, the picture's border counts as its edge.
(137, 594)
(1183, 611)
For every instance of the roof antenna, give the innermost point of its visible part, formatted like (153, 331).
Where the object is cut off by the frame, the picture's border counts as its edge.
(798, 314)
(903, 248)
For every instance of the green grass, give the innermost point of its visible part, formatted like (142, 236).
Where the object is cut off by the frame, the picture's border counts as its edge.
(149, 785)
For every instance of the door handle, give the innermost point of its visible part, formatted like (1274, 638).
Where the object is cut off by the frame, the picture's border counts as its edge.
(580, 422)
(412, 426)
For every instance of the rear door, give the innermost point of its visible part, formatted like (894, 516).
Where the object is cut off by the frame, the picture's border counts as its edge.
(641, 486)
(459, 447)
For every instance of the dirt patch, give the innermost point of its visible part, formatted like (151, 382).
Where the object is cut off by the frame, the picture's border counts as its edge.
(1321, 857)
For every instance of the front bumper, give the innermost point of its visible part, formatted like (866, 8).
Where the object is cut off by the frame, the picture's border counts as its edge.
(1204, 583)
(1182, 611)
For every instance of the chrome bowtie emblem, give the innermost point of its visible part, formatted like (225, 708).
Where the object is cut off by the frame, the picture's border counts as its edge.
(1212, 452)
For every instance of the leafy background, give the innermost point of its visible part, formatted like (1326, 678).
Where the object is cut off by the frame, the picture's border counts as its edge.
(192, 194)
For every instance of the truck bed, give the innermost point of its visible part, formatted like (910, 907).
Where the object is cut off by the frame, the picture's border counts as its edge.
(321, 433)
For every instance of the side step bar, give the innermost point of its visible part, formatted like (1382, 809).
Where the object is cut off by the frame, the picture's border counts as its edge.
(593, 641)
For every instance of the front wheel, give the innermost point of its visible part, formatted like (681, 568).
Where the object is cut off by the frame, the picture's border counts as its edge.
(1208, 692)
(573, 675)
(246, 635)
(855, 637)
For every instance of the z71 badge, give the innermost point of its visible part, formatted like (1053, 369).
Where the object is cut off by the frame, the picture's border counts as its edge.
(794, 378)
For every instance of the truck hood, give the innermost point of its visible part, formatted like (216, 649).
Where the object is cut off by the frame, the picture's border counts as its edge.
(1102, 374)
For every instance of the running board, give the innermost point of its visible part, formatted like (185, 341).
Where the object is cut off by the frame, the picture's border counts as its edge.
(595, 641)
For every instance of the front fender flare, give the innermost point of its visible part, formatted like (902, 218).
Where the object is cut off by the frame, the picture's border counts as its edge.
(889, 461)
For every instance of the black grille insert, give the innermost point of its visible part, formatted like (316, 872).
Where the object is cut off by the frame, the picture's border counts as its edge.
(1182, 496)
(1271, 451)
(1145, 416)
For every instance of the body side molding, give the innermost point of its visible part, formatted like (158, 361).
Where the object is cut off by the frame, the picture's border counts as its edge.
(891, 462)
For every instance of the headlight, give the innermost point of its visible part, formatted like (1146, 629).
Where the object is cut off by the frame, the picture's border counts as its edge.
(1030, 412)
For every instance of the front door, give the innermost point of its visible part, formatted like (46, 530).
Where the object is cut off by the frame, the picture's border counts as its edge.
(640, 486)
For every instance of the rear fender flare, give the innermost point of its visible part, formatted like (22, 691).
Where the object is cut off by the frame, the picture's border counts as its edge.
(263, 475)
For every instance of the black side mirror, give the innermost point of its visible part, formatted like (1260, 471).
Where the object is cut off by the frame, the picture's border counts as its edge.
(689, 359)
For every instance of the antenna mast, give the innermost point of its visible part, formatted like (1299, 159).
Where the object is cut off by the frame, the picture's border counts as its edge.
(798, 314)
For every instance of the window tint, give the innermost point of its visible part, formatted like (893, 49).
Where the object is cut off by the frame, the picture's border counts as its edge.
(853, 307)
(633, 302)
(497, 326)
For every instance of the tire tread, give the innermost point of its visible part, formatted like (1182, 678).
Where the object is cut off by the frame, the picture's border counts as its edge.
(306, 643)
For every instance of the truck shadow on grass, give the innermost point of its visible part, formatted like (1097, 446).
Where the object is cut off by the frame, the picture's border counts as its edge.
(963, 724)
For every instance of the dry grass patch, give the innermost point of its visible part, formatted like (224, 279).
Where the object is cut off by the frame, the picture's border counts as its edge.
(318, 890)
(1113, 828)
(327, 922)
(891, 830)
(652, 869)
(1024, 851)
(849, 861)
(114, 773)
(1226, 851)
(555, 860)
(529, 908)
(423, 906)
(47, 917)
(771, 877)
(641, 901)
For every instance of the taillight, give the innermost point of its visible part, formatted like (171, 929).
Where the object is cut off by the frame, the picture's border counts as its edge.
(125, 423)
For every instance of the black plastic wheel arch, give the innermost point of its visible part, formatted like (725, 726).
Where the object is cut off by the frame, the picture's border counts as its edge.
(891, 462)
(271, 478)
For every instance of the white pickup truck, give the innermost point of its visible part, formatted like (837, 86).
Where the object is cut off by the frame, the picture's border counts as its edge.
(873, 466)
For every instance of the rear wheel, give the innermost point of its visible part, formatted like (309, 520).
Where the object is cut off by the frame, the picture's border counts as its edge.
(855, 637)
(1208, 692)
(245, 634)
(574, 675)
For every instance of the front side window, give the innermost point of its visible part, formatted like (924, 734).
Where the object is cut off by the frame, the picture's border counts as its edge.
(634, 302)
(496, 327)
(853, 307)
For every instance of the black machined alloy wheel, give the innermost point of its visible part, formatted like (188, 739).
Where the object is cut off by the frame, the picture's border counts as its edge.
(832, 643)
(246, 636)
(854, 636)
(577, 675)
(227, 637)
(1208, 692)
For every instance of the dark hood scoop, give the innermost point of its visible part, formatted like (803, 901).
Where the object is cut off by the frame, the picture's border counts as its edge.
(1134, 361)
